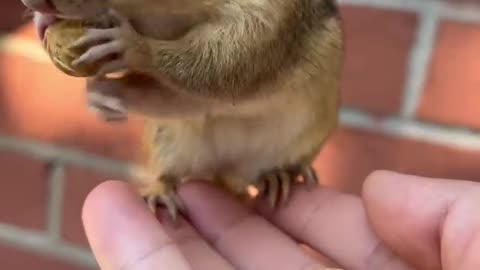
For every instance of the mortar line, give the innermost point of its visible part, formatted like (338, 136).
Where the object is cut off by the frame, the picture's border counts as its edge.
(79, 158)
(40, 243)
(453, 137)
(462, 13)
(55, 201)
(406, 5)
(469, 13)
(419, 61)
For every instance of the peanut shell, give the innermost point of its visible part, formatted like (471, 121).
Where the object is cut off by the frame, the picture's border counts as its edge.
(58, 37)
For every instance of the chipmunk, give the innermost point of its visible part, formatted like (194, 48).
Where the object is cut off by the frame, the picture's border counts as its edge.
(237, 92)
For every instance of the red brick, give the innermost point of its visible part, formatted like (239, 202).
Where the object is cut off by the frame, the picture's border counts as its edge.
(39, 102)
(377, 44)
(23, 191)
(351, 155)
(452, 89)
(464, 2)
(78, 184)
(11, 15)
(17, 259)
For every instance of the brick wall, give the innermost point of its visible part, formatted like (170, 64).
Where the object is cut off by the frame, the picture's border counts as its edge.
(410, 94)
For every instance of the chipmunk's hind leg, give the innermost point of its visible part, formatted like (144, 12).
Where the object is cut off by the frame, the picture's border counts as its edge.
(163, 193)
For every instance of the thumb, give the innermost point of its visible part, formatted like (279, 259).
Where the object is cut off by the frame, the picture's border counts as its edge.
(428, 222)
(124, 235)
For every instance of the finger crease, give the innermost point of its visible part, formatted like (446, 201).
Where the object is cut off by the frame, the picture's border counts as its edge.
(378, 258)
(184, 240)
(237, 223)
(157, 250)
(318, 205)
(314, 266)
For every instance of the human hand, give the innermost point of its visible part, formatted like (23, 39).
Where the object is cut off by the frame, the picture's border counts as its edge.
(400, 222)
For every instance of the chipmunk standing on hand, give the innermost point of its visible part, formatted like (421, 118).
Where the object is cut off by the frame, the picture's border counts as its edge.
(239, 92)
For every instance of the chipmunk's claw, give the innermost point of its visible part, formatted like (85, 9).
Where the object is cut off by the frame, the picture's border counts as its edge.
(273, 188)
(276, 185)
(309, 176)
(161, 194)
(285, 181)
(107, 104)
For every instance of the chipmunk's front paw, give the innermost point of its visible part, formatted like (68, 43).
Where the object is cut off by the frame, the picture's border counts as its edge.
(164, 194)
(113, 49)
(105, 100)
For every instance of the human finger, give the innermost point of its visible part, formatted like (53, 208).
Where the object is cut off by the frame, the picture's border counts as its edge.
(123, 234)
(247, 240)
(198, 252)
(431, 223)
(335, 225)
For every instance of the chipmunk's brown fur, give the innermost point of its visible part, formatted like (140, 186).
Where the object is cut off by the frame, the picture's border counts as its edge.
(239, 91)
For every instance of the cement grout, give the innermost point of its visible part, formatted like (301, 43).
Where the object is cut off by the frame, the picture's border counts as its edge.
(40, 243)
(419, 61)
(55, 201)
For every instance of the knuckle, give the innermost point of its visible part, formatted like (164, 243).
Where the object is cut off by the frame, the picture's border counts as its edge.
(93, 53)
(117, 33)
(89, 31)
(119, 44)
(88, 53)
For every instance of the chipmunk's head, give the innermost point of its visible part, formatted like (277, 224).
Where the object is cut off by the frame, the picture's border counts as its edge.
(68, 8)
(47, 12)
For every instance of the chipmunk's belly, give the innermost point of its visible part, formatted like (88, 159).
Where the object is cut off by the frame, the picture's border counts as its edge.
(240, 148)
(246, 148)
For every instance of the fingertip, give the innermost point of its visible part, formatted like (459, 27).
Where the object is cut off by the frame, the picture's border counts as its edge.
(382, 186)
(405, 211)
(97, 196)
(387, 196)
(104, 208)
(376, 179)
(122, 232)
(104, 199)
